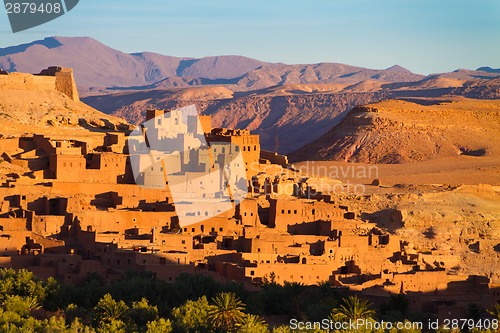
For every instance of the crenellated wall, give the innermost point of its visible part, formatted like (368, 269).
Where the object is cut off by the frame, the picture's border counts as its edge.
(51, 79)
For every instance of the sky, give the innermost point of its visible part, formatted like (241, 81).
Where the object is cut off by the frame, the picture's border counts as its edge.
(425, 36)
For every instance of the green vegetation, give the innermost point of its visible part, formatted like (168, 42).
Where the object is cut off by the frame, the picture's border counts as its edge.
(192, 304)
(352, 308)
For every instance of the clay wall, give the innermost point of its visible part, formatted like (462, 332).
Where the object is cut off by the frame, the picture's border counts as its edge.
(283, 212)
(303, 273)
(23, 81)
(274, 158)
(120, 221)
(12, 241)
(58, 79)
(47, 225)
(247, 211)
(215, 225)
(9, 146)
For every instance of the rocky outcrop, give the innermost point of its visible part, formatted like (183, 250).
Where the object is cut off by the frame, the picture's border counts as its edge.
(291, 120)
(398, 132)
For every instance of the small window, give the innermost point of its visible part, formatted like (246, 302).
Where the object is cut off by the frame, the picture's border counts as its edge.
(252, 273)
(183, 241)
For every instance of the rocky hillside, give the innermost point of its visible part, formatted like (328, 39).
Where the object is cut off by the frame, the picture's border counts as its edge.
(38, 109)
(396, 131)
(295, 119)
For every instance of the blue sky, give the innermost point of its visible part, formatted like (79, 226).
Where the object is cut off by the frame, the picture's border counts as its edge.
(425, 36)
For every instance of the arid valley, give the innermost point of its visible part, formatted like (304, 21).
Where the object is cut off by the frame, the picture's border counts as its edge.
(379, 185)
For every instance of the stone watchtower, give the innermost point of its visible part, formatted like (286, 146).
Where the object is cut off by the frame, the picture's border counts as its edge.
(65, 81)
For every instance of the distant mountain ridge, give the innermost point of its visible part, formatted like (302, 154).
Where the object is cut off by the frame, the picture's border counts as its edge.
(489, 69)
(114, 68)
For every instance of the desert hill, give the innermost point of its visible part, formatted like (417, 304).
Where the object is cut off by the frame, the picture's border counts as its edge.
(396, 131)
(301, 112)
(33, 104)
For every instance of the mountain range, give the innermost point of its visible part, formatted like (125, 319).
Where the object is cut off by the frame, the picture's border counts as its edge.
(115, 69)
(287, 105)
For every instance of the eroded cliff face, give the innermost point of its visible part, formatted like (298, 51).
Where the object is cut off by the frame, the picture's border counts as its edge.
(482, 89)
(398, 132)
(294, 120)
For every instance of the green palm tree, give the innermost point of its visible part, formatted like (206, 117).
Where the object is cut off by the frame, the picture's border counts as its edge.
(352, 308)
(226, 312)
(495, 312)
(108, 310)
(295, 290)
(252, 324)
